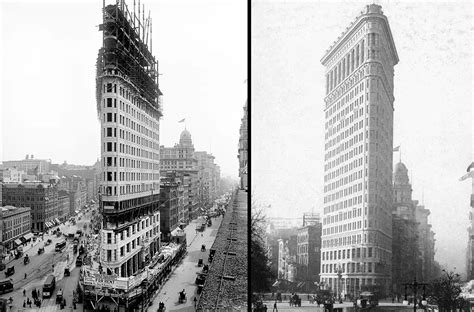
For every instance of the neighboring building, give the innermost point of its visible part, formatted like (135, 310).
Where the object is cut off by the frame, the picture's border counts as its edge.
(206, 176)
(426, 245)
(309, 254)
(181, 161)
(243, 150)
(169, 207)
(30, 165)
(311, 218)
(13, 175)
(287, 251)
(15, 224)
(41, 198)
(405, 253)
(64, 205)
(357, 222)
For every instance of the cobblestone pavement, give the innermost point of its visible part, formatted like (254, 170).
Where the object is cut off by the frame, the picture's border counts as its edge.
(40, 267)
(184, 275)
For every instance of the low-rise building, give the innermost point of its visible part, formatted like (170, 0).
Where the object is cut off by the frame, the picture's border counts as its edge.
(309, 253)
(64, 204)
(169, 206)
(15, 224)
(41, 198)
(13, 175)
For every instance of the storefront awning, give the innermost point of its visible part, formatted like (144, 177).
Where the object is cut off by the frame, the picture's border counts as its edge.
(276, 284)
(57, 221)
(47, 224)
(28, 236)
(18, 242)
(77, 211)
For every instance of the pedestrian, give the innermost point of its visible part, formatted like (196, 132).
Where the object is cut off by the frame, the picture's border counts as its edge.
(275, 308)
(195, 301)
(24, 292)
(25, 275)
(24, 303)
(33, 294)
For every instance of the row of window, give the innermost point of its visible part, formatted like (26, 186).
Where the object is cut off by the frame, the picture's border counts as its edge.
(342, 216)
(130, 176)
(347, 191)
(130, 163)
(128, 189)
(130, 150)
(111, 132)
(8, 234)
(352, 267)
(125, 93)
(344, 169)
(343, 228)
(354, 93)
(341, 254)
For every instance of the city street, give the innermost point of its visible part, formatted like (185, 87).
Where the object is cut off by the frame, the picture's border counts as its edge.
(184, 275)
(41, 266)
(347, 307)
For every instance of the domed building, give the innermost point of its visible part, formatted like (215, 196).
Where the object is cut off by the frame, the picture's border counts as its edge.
(180, 163)
(402, 190)
(185, 139)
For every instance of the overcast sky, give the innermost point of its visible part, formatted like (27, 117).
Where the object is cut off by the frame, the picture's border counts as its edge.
(432, 117)
(48, 55)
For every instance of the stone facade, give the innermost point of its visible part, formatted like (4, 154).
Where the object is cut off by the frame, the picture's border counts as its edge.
(41, 198)
(357, 221)
(15, 223)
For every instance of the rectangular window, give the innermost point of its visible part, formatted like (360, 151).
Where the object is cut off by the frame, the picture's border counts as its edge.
(109, 102)
(109, 132)
(109, 117)
(109, 87)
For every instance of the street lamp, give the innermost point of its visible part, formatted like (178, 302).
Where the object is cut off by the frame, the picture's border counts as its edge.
(415, 286)
(339, 276)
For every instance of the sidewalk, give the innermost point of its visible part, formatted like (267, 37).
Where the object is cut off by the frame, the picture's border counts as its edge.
(184, 275)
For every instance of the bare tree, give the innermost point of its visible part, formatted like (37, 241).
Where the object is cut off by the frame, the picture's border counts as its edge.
(261, 274)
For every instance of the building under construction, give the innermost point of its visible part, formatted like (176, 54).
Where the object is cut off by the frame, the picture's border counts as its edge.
(129, 109)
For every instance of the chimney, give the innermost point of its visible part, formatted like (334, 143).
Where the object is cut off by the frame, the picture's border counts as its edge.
(32, 156)
(26, 156)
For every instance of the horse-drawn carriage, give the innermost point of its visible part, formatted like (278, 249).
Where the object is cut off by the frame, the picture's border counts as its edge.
(182, 296)
(295, 301)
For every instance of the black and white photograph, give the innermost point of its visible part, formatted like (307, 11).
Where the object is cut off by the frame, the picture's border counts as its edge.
(362, 173)
(124, 155)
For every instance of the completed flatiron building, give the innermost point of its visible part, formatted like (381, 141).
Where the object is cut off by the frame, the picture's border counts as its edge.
(357, 221)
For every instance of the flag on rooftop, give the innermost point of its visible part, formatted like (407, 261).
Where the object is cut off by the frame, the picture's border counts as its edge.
(182, 120)
(396, 149)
